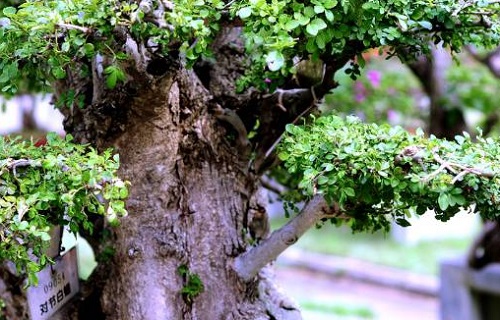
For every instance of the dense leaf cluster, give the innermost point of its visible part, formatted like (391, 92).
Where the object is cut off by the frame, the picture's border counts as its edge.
(42, 39)
(60, 183)
(280, 30)
(377, 173)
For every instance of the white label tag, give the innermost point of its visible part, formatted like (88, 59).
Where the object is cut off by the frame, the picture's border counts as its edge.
(57, 284)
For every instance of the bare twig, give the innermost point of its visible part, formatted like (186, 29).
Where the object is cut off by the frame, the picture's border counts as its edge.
(452, 167)
(468, 4)
(12, 164)
(271, 149)
(272, 185)
(74, 27)
(292, 101)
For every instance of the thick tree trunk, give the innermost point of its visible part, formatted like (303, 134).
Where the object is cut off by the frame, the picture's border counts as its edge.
(190, 193)
(182, 139)
(189, 199)
(191, 196)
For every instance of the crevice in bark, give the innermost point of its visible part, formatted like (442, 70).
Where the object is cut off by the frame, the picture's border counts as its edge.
(157, 67)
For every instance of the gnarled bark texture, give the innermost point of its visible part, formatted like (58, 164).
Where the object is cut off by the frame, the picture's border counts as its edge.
(182, 139)
(191, 191)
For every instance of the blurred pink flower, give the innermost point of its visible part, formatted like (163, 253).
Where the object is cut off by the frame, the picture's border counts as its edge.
(374, 77)
(393, 117)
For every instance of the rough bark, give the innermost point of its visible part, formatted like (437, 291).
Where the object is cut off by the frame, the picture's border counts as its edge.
(181, 136)
(190, 192)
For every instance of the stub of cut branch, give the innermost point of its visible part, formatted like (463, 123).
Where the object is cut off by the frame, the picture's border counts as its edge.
(248, 265)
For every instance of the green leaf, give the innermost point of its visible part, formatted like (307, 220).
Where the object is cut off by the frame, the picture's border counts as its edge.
(403, 24)
(292, 24)
(322, 180)
(283, 156)
(123, 193)
(425, 24)
(275, 60)
(403, 222)
(23, 225)
(245, 12)
(460, 139)
(309, 12)
(329, 4)
(113, 75)
(88, 48)
(443, 201)
(9, 11)
(320, 41)
(329, 15)
(111, 80)
(65, 46)
(312, 30)
(318, 9)
(44, 236)
(315, 26)
(349, 191)
(303, 20)
(59, 72)
(327, 167)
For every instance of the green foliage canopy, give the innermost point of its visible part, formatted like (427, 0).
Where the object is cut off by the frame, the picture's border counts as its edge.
(377, 172)
(277, 31)
(60, 183)
(40, 39)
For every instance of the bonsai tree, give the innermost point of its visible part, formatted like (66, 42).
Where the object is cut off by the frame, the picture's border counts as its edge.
(195, 96)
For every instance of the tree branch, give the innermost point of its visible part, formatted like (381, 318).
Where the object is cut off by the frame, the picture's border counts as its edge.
(490, 60)
(12, 164)
(452, 167)
(272, 185)
(73, 27)
(285, 106)
(468, 4)
(248, 265)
